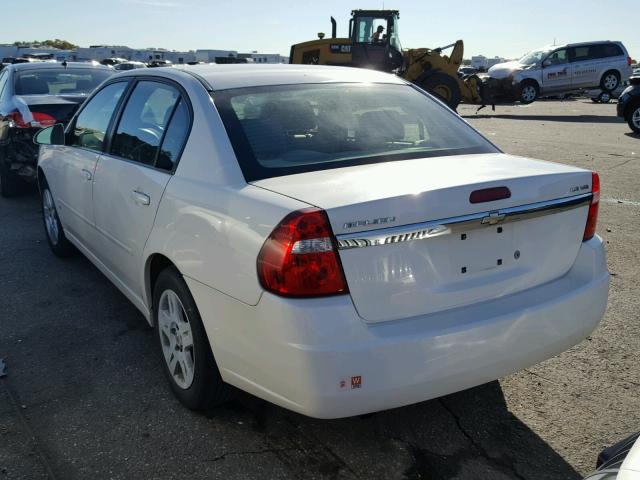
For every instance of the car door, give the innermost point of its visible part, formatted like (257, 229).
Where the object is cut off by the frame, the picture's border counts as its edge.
(132, 175)
(72, 179)
(584, 61)
(556, 74)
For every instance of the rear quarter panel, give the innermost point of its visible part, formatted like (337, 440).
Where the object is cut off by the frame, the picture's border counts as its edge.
(210, 223)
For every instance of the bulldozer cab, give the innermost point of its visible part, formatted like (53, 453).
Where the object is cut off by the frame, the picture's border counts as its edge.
(374, 39)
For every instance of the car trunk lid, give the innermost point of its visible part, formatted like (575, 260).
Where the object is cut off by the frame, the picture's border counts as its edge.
(412, 243)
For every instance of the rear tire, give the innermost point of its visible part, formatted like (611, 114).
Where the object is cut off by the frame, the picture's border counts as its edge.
(529, 92)
(187, 359)
(604, 97)
(56, 238)
(633, 118)
(610, 81)
(444, 87)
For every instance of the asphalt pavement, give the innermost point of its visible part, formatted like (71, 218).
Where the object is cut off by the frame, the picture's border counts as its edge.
(85, 397)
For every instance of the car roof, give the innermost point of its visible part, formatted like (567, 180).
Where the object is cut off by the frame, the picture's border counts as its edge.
(581, 44)
(18, 67)
(217, 77)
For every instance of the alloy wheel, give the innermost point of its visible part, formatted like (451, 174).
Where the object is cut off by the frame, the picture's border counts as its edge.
(610, 82)
(529, 93)
(635, 118)
(176, 338)
(50, 216)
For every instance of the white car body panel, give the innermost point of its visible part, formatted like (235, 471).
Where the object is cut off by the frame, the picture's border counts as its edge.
(302, 353)
(296, 357)
(630, 468)
(123, 218)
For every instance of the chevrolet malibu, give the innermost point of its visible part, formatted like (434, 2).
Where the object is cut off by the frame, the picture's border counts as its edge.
(333, 240)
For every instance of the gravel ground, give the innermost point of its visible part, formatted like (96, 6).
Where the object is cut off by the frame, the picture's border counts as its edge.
(85, 397)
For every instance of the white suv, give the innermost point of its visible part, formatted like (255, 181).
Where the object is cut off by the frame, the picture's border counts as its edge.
(563, 69)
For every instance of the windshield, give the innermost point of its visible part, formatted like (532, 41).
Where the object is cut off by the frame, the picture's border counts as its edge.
(282, 130)
(534, 57)
(59, 81)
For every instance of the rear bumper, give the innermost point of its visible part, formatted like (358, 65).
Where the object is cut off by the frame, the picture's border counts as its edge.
(306, 355)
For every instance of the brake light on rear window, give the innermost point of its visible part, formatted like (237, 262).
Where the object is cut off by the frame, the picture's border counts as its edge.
(300, 259)
(40, 120)
(592, 217)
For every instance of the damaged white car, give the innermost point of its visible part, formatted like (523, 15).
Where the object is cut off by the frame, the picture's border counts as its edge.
(563, 69)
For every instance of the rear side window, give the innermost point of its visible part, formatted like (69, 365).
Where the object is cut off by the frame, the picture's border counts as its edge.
(606, 51)
(174, 137)
(144, 121)
(92, 122)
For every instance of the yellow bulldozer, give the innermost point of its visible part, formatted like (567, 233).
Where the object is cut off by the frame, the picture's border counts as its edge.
(374, 43)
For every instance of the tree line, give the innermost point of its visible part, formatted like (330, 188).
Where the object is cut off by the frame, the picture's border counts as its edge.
(56, 43)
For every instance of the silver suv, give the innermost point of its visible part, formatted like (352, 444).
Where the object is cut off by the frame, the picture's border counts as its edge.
(563, 69)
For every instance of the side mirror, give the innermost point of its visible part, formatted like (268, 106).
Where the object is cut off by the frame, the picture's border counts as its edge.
(53, 135)
(546, 63)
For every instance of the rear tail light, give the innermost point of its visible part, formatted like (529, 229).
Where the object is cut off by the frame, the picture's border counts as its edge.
(629, 61)
(300, 259)
(592, 217)
(40, 120)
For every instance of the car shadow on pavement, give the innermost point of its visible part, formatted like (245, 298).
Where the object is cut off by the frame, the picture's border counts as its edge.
(633, 135)
(467, 435)
(553, 118)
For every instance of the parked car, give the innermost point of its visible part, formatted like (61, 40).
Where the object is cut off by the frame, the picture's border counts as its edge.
(333, 240)
(629, 104)
(467, 70)
(33, 95)
(619, 462)
(564, 69)
(159, 63)
(129, 65)
(603, 96)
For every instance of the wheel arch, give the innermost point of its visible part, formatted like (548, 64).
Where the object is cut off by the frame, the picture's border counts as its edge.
(632, 105)
(155, 263)
(615, 71)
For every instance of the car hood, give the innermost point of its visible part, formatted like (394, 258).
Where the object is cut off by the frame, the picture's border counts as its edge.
(504, 70)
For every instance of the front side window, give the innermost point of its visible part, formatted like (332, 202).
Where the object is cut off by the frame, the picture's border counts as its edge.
(557, 58)
(91, 125)
(59, 81)
(289, 129)
(143, 122)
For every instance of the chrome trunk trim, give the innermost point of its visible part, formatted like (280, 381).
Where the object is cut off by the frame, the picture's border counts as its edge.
(437, 228)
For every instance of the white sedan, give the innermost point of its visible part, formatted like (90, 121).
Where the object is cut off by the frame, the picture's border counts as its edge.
(332, 240)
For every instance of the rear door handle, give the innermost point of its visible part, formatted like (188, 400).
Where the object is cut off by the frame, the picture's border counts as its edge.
(87, 174)
(141, 198)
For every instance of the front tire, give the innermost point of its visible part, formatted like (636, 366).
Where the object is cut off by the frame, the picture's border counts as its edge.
(529, 92)
(633, 118)
(188, 362)
(56, 238)
(610, 81)
(444, 87)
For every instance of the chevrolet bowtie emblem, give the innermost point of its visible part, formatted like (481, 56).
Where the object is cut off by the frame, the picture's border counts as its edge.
(493, 218)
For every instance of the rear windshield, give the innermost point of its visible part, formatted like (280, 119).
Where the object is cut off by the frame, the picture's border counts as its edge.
(288, 129)
(59, 81)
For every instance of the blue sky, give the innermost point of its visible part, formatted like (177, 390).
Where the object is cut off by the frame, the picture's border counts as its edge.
(496, 27)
